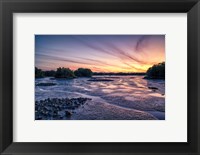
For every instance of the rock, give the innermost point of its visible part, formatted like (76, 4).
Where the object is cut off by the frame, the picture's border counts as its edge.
(145, 77)
(48, 108)
(68, 114)
(57, 108)
(55, 113)
(61, 113)
(39, 118)
(99, 79)
(153, 88)
(45, 84)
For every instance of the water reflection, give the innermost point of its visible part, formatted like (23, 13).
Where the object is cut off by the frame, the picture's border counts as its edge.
(126, 97)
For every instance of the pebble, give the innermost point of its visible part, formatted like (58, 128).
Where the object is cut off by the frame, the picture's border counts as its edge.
(57, 108)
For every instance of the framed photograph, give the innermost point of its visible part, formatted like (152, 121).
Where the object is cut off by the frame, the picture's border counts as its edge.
(98, 79)
(104, 77)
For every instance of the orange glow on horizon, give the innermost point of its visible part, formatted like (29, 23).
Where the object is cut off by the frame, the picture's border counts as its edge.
(106, 53)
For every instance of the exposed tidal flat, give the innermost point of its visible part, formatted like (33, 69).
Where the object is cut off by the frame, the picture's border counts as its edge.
(100, 98)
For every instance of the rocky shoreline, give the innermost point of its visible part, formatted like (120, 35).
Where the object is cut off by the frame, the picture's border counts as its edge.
(99, 79)
(46, 84)
(57, 108)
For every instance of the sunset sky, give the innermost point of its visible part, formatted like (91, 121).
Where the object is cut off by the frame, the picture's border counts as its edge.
(100, 53)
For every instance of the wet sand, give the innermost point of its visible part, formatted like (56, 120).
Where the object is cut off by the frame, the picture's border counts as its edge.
(123, 98)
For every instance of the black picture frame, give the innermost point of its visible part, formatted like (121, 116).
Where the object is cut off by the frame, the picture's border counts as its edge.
(8, 7)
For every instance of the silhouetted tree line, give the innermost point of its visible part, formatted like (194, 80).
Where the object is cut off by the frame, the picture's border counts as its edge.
(157, 71)
(50, 73)
(39, 73)
(83, 72)
(62, 72)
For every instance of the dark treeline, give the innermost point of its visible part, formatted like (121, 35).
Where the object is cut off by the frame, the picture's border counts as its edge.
(157, 71)
(62, 72)
(83, 72)
(39, 73)
(50, 73)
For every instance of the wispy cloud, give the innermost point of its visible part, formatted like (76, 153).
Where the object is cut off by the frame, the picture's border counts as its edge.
(100, 52)
(139, 43)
